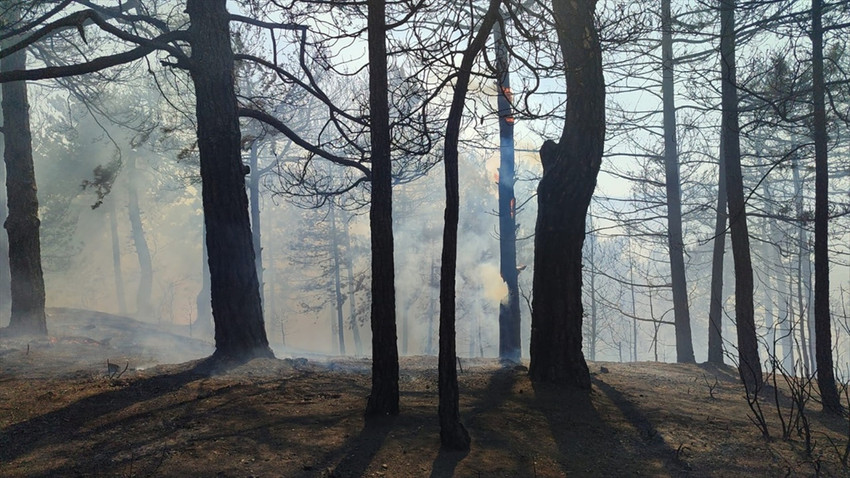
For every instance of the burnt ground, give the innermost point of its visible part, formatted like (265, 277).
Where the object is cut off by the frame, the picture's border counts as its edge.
(62, 415)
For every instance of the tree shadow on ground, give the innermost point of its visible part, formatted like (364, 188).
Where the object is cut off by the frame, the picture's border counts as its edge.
(446, 462)
(498, 390)
(355, 456)
(654, 453)
(74, 421)
(723, 372)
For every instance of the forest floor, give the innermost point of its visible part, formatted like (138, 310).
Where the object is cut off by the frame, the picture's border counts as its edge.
(62, 415)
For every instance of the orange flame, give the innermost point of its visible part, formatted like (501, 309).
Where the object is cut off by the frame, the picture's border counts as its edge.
(509, 95)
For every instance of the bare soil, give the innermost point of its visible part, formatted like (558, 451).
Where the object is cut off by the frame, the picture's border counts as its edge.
(61, 414)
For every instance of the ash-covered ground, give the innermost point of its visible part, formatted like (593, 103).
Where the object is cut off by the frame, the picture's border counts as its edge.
(166, 413)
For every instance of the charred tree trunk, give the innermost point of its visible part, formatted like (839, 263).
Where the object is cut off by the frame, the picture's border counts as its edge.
(239, 330)
(510, 347)
(453, 435)
(384, 397)
(681, 313)
(715, 312)
(570, 168)
(749, 364)
(116, 259)
(143, 295)
(823, 330)
(22, 222)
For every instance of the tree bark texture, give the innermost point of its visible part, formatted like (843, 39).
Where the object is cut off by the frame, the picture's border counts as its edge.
(715, 311)
(384, 397)
(22, 222)
(570, 168)
(749, 365)
(823, 330)
(510, 346)
(681, 312)
(239, 330)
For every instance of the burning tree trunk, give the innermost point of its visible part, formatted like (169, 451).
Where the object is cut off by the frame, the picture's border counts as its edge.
(384, 397)
(239, 329)
(510, 347)
(570, 168)
(22, 223)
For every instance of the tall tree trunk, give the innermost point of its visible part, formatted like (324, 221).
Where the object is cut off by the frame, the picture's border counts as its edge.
(823, 328)
(811, 306)
(22, 222)
(715, 313)
(570, 168)
(256, 229)
(143, 295)
(764, 278)
(384, 397)
(510, 344)
(352, 310)
(681, 312)
(749, 365)
(785, 329)
(804, 273)
(453, 435)
(116, 258)
(338, 298)
(239, 330)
